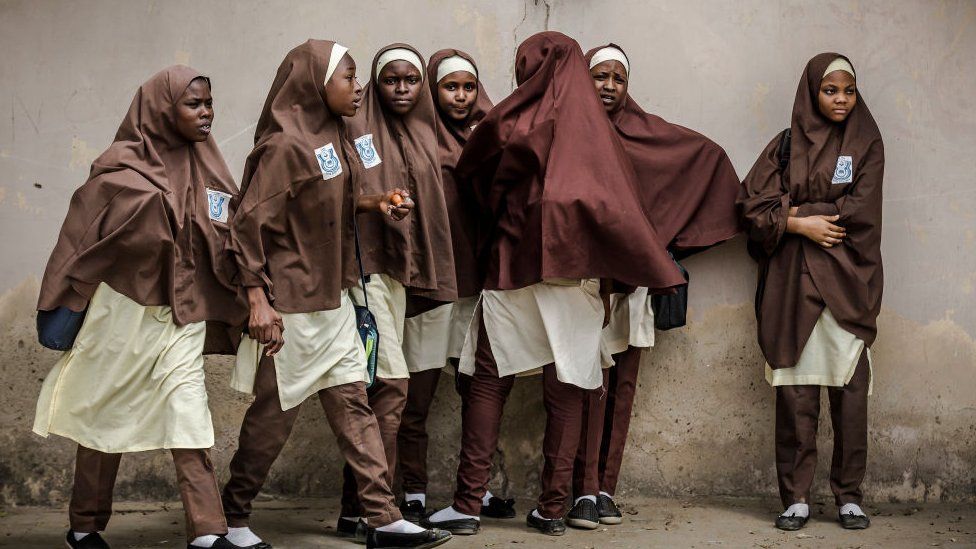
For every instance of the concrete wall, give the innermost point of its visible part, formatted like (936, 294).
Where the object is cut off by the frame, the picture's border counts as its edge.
(704, 416)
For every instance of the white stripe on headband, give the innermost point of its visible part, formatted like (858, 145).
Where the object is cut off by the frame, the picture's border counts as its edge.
(610, 53)
(454, 63)
(839, 64)
(337, 52)
(398, 54)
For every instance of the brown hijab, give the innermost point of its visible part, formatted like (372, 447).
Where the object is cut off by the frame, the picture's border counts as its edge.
(798, 277)
(415, 251)
(293, 228)
(557, 193)
(451, 138)
(151, 220)
(687, 182)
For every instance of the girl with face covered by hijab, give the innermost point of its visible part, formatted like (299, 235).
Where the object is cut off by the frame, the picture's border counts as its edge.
(687, 189)
(142, 247)
(294, 239)
(409, 265)
(812, 208)
(434, 338)
(558, 214)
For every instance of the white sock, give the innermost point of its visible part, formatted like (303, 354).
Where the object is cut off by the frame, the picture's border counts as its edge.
(602, 493)
(485, 499)
(80, 535)
(448, 513)
(351, 519)
(242, 536)
(591, 498)
(401, 527)
(205, 541)
(535, 513)
(852, 508)
(422, 498)
(797, 509)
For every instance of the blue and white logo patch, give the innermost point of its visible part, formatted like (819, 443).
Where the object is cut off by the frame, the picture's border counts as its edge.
(218, 205)
(328, 161)
(844, 172)
(367, 152)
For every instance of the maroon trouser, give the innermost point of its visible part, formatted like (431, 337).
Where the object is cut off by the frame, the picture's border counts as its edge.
(480, 425)
(797, 417)
(95, 472)
(606, 422)
(412, 438)
(387, 398)
(266, 429)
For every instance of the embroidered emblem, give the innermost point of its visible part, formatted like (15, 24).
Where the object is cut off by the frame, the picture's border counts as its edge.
(218, 205)
(328, 161)
(367, 152)
(844, 172)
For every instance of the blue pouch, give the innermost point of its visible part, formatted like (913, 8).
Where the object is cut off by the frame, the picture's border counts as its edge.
(57, 329)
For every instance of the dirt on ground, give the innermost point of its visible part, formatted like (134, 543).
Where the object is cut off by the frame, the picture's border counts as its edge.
(648, 522)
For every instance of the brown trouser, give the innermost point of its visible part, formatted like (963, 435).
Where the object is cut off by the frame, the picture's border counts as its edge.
(412, 438)
(266, 429)
(480, 423)
(606, 422)
(386, 399)
(797, 416)
(95, 472)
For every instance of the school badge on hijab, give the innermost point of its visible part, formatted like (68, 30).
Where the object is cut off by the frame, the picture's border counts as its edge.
(328, 161)
(218, 202)
(367, 152)
(844, 172)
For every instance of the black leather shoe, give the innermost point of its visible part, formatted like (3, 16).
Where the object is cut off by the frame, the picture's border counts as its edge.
(549, 527)
(850, 521)
(91, 541)
(223, 543)
(790, 522)
(583, 515)
(607, 509)
(354, 530)
(412, 511)
(499, 508)
(458, 527)
(420, 540)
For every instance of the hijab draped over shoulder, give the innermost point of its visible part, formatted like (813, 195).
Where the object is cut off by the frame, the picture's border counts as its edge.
(834, 169)
(293, 229)
(557, 195)
(687, 183)
(402, 151)
(451, 137)
(151, 220)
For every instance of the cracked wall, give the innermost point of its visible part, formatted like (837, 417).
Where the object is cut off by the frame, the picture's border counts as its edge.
(704, 416)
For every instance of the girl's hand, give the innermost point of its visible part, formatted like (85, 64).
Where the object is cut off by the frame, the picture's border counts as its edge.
(821, 229)
(396, 203)
(265, 324)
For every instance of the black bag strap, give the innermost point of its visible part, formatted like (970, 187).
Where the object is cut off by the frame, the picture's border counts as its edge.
(784, 149)
(359, 259)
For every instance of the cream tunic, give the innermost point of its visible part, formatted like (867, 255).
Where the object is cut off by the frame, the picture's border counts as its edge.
(556, 321)
(631, 321)
(829, 358)
(322, 349)
(388, 303)
(133, 381)
(429, 339)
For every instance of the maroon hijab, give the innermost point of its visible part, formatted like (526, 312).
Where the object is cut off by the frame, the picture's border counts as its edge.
(151, 220)
(687, 182)
(558, 196)
(451, 138)
(834, 169)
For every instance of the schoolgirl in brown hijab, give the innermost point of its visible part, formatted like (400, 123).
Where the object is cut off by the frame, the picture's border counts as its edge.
(142, 248)
(433, 338)
(559, 212)
(812, 208)
(688, 189)
(395, 136)
(294, 239)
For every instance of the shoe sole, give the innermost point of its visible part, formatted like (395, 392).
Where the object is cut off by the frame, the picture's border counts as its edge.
(865, 527)
(584, 524)
(611, 520)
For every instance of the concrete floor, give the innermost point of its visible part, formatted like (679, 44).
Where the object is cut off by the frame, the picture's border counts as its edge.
(648, 522)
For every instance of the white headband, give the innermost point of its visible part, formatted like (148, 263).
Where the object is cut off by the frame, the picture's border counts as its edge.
(455, 63)
(398, 54)
(839, 64)
(337, 52)
(610, 53)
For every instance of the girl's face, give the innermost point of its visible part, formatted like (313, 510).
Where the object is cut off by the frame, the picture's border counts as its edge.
(456, 95)
(194, 111)
(838, 95)
(399, 86)
(610, 78)
(343, 92)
